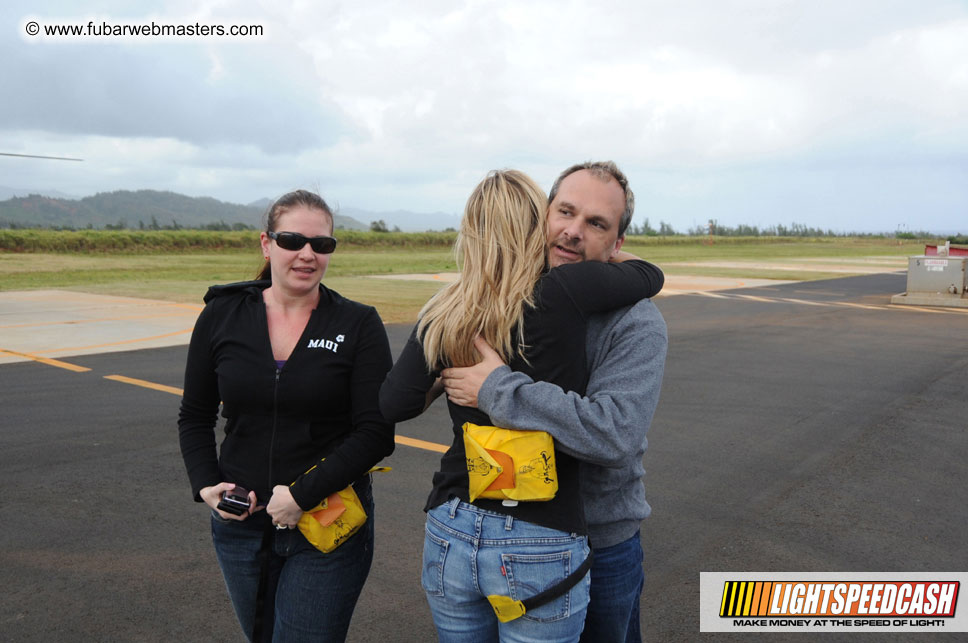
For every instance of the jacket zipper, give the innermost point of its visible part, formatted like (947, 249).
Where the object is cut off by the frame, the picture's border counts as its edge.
(272, 436)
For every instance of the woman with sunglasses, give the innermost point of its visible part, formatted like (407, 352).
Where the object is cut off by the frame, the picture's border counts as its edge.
(297, 370)
(482, 554)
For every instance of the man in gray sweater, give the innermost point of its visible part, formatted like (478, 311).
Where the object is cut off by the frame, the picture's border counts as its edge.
(590, 207)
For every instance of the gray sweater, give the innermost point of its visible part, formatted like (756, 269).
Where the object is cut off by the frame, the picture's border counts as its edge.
(606, 429)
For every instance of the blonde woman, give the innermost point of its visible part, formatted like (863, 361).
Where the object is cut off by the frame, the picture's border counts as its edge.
(535, 319)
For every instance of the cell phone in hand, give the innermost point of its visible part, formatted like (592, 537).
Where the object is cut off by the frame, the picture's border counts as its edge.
(235, 501)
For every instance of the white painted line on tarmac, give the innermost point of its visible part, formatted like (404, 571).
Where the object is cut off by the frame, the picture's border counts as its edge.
(75, 322)
(122, 342)
(805, 302)
(847, 304)
(921, 309)
(853, 305)
(766, 300)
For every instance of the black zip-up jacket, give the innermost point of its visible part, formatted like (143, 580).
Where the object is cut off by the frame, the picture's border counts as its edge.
(323, 402)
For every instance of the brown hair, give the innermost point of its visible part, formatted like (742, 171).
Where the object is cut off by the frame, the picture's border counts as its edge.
(287, 202)
(603, 170)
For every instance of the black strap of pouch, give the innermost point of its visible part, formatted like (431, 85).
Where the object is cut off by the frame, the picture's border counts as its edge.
(508, 609)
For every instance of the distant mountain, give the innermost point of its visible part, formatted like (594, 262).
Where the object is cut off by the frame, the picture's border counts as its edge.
(341, 221)
(406, 220)
(262, 204)
(9, 193)
(140, 209)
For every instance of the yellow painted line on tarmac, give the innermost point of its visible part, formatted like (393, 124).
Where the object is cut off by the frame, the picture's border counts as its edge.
(420, 444)
(400, 439)
(48, 361)
(118, 343)
(144, 384)
(710, 294)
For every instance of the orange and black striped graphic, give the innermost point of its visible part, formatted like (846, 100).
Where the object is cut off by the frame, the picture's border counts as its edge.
(746, 598)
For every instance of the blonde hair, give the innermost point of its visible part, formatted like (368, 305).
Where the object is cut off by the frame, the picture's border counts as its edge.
(500, 252)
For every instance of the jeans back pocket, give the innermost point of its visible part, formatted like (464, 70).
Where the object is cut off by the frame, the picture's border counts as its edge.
(530, 574)
(434, 555)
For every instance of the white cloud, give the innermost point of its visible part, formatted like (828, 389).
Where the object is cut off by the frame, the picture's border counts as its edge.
(390, 105)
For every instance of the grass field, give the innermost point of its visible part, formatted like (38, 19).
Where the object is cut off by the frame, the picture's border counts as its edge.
(184, 275)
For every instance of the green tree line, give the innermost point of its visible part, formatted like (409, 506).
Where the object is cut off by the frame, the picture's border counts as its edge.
(715, 229)
(170, 240)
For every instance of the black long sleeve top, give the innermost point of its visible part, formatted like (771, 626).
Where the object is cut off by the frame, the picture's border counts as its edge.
(554, 332)
(322, 403)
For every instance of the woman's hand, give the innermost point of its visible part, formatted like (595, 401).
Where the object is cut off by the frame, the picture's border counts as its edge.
(212, 495)
(283, 509)
(463, 384)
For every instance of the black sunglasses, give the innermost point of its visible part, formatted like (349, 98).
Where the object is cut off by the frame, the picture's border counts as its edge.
(295, 241)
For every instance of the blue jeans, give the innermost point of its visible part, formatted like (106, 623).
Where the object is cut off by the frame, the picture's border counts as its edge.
(617, 579)
(310, 595)
(470, 553)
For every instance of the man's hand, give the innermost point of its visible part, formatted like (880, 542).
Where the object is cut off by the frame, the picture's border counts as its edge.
(463, 384)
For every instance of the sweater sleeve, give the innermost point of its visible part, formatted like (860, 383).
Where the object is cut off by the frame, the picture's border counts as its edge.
(596, 286)
(371, 437)
(198, 413)
(611, 420)
(404, 392)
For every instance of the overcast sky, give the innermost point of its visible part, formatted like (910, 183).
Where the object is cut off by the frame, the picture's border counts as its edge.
(847, 115)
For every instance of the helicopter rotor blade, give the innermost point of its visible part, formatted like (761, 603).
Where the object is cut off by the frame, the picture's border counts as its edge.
(34, 156)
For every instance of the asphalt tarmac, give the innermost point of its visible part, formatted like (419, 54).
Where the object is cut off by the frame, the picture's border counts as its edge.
(802, 427)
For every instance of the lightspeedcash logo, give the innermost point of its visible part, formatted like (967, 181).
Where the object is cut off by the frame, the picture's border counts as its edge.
(783, 599)
(830, 602)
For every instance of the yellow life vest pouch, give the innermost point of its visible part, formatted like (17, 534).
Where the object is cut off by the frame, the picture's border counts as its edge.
(507, 609)
(340, 515)
(507, 464)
